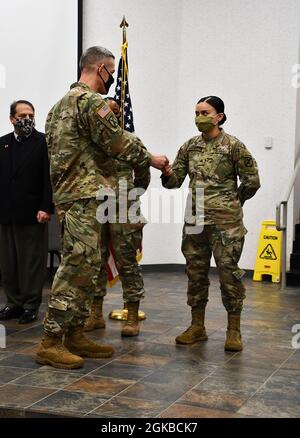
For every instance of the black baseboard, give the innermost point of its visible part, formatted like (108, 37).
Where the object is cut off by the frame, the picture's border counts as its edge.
(178, 267)
(168, 267)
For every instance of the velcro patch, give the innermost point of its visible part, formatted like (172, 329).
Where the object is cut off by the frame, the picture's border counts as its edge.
(248, 162)
(103, 111)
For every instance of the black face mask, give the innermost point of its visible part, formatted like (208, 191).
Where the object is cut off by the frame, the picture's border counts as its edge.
(109, 81)
(25, 126)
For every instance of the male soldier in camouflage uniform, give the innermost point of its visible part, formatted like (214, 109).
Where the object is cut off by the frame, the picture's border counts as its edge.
(82, 133)
(213, 162)
(124, 239)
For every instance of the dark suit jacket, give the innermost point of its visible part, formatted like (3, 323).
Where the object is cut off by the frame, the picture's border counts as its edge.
(25, 186)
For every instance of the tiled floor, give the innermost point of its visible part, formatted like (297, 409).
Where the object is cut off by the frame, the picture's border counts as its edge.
(149, 376)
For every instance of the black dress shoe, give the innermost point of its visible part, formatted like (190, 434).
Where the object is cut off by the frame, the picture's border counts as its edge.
(28, 316)
(10, 313)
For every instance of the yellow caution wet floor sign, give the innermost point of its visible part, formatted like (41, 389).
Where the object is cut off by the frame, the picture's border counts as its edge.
(268, 256)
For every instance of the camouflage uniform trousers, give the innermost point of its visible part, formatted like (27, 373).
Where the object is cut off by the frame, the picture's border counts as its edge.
(197, 249)
(75, 281)
(124, 239)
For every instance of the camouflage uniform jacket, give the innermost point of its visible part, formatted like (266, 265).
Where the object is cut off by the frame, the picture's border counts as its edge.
(215, 166)
(83, 136)
(125, 178)
(135, 176)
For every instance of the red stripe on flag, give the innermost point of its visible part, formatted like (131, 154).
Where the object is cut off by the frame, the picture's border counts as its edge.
(111, 267)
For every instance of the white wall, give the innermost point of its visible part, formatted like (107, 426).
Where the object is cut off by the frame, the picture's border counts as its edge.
(296, 192)
(38, 54)
(181, 50)
(154, 39)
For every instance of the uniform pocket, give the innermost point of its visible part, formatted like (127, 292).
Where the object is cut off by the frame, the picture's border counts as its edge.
(233, 234)
(80, 222)
(58, 303)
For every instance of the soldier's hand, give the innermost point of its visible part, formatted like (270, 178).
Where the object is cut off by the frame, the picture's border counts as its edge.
(159, 161)
(167, 170)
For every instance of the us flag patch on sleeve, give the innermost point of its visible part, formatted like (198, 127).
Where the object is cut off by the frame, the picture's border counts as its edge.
(102, 112)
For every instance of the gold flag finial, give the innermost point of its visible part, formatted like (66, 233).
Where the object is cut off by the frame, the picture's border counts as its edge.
(124, 24)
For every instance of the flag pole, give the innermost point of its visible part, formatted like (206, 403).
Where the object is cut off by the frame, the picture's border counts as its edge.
(121, 314)
(123, 25)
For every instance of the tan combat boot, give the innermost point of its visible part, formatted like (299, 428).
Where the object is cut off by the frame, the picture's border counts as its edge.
(79, 344)
(131, 327)
(52, 352)
(196, 331)
(95, 320)
(233, 334)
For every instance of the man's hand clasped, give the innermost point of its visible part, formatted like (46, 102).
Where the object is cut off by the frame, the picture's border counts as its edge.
(159, 161)
(167, 170)
(42, 217)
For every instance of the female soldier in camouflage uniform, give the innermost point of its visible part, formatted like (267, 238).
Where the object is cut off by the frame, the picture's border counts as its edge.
(214, 160)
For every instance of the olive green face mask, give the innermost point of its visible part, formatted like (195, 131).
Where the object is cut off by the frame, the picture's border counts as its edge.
(204, 123)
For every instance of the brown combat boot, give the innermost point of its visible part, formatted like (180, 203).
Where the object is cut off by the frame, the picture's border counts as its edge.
(196, 331)
(52, 352)
(95, 320)
(79, 344)
(233, 334)
(131, 327)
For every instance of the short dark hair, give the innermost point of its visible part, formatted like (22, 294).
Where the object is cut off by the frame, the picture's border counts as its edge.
(13, 106)
(94, 55)
(217, 104)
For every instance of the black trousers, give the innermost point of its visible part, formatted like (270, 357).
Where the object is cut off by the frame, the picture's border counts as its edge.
(23, 263)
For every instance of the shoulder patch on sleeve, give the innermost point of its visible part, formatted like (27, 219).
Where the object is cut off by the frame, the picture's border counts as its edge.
(103, 111)
(107, 119)
(248, 161)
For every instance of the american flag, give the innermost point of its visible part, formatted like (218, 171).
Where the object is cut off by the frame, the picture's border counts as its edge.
(111, 267)
(122, 95)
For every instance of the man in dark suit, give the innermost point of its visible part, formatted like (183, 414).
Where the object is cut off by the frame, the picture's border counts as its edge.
(25, 208)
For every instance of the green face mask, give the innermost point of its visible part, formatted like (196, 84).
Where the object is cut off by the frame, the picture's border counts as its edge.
(204, 123)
